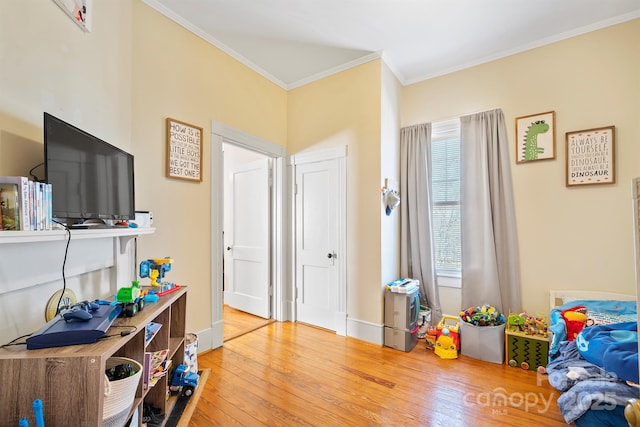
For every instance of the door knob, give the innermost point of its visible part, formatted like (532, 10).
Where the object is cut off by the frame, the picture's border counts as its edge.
(228, 248)
(329, 255)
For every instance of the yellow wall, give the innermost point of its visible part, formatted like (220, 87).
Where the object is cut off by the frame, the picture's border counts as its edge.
(569, 238)
(390, 169)
(344, 110)
(137, 68)
(119, 82)
(48, 64)
(179, 75)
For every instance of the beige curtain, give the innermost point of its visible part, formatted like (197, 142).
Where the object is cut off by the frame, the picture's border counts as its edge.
(416, 241)
(490, 261)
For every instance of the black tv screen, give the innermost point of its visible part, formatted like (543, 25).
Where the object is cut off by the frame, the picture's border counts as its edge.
(90, 178)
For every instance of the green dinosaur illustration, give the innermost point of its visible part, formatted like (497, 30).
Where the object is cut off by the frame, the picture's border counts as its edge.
(530, 150)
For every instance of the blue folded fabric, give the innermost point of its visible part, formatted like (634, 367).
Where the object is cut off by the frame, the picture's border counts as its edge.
(613, 347)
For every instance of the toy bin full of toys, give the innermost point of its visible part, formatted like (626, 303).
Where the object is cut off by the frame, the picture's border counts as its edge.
(482, 333)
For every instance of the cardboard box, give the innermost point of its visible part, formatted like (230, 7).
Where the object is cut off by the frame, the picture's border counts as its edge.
(526, 351)
(482, 342)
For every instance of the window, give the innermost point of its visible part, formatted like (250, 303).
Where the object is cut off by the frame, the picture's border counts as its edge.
(445, 186)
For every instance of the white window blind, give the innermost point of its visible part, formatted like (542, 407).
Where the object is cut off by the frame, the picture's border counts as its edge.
(445, 185)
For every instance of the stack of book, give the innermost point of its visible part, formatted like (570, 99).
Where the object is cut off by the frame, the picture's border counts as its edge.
(156, 366)
(24, 204)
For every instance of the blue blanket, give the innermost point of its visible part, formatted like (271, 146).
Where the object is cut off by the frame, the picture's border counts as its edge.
(558, 326)
(585, 386)
(613, 347)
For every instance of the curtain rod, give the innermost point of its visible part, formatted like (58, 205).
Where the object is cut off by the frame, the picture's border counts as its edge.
(457, 117)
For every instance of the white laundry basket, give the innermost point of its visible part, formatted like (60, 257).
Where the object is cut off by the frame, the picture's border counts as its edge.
(119, 395)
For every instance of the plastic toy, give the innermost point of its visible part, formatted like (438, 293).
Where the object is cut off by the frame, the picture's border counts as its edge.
(526, 324)
(575, 319)
(80, 311)
(486, 315)
(131, 299)
(431, 337)
(445, 347)
(184, 380)
(38, 412)
(448, 337)
(155, 269)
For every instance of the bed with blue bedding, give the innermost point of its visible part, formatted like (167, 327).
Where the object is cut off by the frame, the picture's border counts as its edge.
(596, 370)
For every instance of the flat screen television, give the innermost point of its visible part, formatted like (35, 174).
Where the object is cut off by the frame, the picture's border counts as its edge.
(91, 180)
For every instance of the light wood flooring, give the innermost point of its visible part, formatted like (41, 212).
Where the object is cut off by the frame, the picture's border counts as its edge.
(237, 323)
(289, 374)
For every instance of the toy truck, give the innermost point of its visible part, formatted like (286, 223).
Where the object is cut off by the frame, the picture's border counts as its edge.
(184, 380)
(131, 298)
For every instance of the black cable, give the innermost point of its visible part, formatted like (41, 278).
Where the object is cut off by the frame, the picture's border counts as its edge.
(35, 178)
(13, 341)
(64, 282)
(64, 263)
(121, 334)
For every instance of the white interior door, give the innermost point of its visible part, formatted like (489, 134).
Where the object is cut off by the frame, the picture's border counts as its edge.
(317, 256)
(247, 239)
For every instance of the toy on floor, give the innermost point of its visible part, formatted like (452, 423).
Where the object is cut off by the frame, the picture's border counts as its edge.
(448, 337)
(431, 337)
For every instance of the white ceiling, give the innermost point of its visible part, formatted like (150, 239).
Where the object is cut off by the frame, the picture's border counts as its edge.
(294, 42)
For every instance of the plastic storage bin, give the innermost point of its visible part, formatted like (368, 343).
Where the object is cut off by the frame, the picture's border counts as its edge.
(401, 320)
(482, 342)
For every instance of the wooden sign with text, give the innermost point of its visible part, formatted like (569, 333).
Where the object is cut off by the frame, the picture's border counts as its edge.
(184, 151)
(591, 156)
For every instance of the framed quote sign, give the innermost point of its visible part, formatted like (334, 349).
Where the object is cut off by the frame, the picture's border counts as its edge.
(591, 156)
(184, 150)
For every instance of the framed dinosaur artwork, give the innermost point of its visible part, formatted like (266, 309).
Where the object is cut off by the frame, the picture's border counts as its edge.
(591, 156)
(536, 137)
(79, 11)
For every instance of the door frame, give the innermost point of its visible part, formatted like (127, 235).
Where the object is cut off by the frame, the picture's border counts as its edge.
(340, 154)
(220, 134)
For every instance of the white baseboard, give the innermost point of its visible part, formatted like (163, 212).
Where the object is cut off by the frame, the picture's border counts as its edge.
(365, 331)
(287, 312)
(210, 338)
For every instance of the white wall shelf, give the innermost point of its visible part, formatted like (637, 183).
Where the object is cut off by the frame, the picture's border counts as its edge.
(9, 237)
(32, 258)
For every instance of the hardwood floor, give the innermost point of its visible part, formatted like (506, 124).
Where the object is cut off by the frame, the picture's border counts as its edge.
(295, 375)
(237, 323)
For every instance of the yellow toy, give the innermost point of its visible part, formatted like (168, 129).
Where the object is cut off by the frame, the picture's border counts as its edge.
(446, 348)
(155, 269)
(431, 337)
(448, 341)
